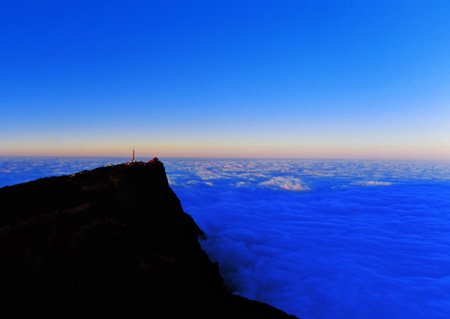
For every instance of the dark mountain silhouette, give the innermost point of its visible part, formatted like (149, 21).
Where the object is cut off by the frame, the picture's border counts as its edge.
(113, 242)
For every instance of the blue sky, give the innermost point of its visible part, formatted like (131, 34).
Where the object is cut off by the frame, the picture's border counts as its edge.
(321, 79)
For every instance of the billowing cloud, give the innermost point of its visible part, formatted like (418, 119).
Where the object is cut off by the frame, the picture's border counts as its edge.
(286, 183)
(242, 184)
(374, 183)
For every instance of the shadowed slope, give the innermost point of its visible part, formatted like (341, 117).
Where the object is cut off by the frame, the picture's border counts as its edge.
(112, 242)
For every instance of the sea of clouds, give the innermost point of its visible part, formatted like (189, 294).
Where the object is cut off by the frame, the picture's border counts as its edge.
(318, 239)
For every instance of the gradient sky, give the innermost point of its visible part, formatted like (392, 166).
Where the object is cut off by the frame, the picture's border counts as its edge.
(307, 79)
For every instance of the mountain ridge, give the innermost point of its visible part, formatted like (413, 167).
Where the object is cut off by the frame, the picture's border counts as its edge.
(113, 241)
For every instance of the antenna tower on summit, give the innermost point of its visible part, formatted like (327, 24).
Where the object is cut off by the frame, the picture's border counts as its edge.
(133, 160)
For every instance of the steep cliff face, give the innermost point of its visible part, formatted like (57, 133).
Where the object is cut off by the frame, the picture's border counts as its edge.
(111, 242)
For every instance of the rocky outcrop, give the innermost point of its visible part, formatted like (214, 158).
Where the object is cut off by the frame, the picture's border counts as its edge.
(111, 242)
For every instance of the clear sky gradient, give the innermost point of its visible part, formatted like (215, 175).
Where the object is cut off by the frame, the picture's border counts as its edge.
(307, 79)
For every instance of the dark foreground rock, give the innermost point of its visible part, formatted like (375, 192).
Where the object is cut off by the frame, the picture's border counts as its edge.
(113, 242)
